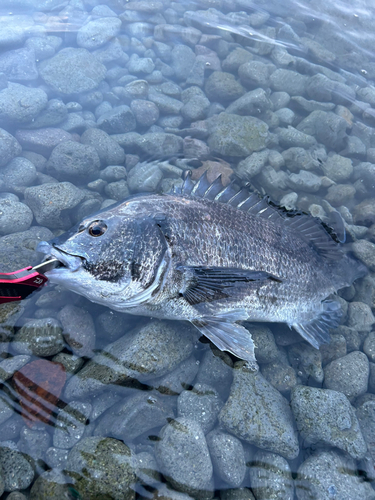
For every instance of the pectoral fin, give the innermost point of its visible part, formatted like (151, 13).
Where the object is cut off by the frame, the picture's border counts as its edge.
(205, 284)
(228, 336)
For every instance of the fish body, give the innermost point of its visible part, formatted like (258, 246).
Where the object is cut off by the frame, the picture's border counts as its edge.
(211, 255)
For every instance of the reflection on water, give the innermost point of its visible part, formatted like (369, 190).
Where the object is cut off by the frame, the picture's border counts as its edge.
(97, 404)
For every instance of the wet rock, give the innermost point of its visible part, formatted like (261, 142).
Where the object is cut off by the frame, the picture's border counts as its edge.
(140, 65)
(109, 152)
(252, 103)
(365, 415)
(10, 365)
(71, 159)
(271, 477)
(236, 494)
(252, 399)
(334, 350)
(20, 104)
(305, 181)
(223, 87)
(234, 135)
(326, 416)
(9, 147)
(340, 194)
(179, 379)
(51, 484)
(280, 375)
(365, 251)
(291, 137)
(70, 362)
(18, 473)
(285, 80)
(254, 74)
(118, 120)
(53, 114)
(72, 71)
(327, 474)
(136, 415)
(6, 411)
(266, 349)
(348, 374)
(102, 466)
(194, 148)
(40, 337)
(147, 352)
(118, 190)
(307, 361)
(228, 457)
(201, 404)
(146, 112)
(327, 127)
(360, 316)
(144, 177)
(14, 217)
(364, 213)
(96, 33)
(195, 108)
(34, 442)
(19, 65)
(43, 47)
(236, 58)
(50, 203)
(43, 140)
(190, 471)
(70, 424)
(338, 168)
(78, 330)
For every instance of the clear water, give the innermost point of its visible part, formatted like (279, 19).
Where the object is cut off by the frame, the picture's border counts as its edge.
(146, 57)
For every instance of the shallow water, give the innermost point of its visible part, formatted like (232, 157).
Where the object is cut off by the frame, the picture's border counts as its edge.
(86, 91)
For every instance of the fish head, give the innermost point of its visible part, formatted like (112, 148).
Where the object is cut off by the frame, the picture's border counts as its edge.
(111, 258)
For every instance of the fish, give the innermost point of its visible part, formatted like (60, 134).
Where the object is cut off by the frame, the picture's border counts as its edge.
(212, 255)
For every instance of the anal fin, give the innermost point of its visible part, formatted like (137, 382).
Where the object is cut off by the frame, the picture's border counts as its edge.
(228, 336)
(316, 332)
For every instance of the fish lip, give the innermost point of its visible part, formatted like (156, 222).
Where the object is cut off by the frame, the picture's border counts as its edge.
(68, 261)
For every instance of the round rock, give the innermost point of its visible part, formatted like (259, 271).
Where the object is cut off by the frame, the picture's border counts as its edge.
(19, 104)
(223, 87)
(14, 216)
(109, 152)
(96, 33)
(17, 470)
(71, 159)
(271, 477)
(40, 337)
(9, 147)
(349, 374)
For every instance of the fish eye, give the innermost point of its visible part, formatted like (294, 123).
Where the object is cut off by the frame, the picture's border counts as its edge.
(97, 228)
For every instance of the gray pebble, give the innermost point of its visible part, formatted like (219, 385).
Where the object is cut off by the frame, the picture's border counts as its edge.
(326, 416)
(360, 316)
(266, 349)
(16, 495)
(305, 181)
(117, 121)
(335, 349)
(102, 466)
(43, 47)
(17, 470)
(236, 58)
(34, 442)
(252, 399)
(19, 65)
(159, 144)
(110, 325)
(10, 365)
(291, 137)
(340, 194)
(96, 33)
(6, 411)
(252, 103)
(280, 375)
(167, 105)
(51, 484)
(271, 477)
(147, 352)
(327, 474)
(102, 402)
(144, 177)
(18, 174)
(348, 374)
(338, 168)
(252, 165)
(146, 112)
(72, 71)
(190, 471)
(40, 337)
(70, 424)
(118, 190)
(50, 203)
(327, 127)
(307, 361)
(233, 135)
(285, 80)
(109, 152)
(254, 74)
(365, 414)
(136, 415)
(365, 251)
(20, 104)
(228, 457)
(79, 330)
(223, 87)
(216, 369)
(56, 457)
(236, 494)
(140, 65)
(9, 147)
(179, 379)
(182, 61)
(71, 159)
(70, 362)
(196, 108)
(53, 114)
(42, 140)
(14, 216)
(201, 404)
(147, 468)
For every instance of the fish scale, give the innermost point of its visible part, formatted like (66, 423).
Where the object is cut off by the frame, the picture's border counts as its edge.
(210, 255)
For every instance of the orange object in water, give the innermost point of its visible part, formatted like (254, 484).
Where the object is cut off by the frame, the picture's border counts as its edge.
(39, 385)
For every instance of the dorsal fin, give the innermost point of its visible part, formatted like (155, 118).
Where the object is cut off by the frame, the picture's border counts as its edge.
(317, 234)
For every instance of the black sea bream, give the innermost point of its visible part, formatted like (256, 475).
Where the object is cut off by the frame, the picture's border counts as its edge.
(210, 255)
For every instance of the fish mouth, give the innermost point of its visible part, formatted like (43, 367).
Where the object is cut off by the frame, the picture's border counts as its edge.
(65, 261)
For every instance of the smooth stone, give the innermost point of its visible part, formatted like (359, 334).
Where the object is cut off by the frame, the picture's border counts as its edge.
(146, 112)
(11, 365)
(72, 71)
(131, 358)
(271, 477)
(365, 414)
(326, 416)
(201, 404)
(182, 61)
(144, 177)
(70, 362)
(327, 127)
(39, 337)
(305, 181)
(102, 467)
(254, 74)
(223, 87)
(285, 80)
(34, 442)
(109, 152)
(42, 140)
(233, 135)
(338, 168)
(190, 471)
(71, 159)
(78, 330)
(291, 137)
(50, 203)
(53, 114)
(166, 104)
(179, 379)
(326, 475)
(15, 217)
(307, 361)
(118, 120)
(252, 103)
(6, 411)
(360, 316)
(51, 484)
(349, 374)
(21, 104)
(257, 413)
(216, 369)
(97, 32)
(365, 251)
(18, 473)
(9, 147)
(70, 424)
(19, 65)
(228, 457)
